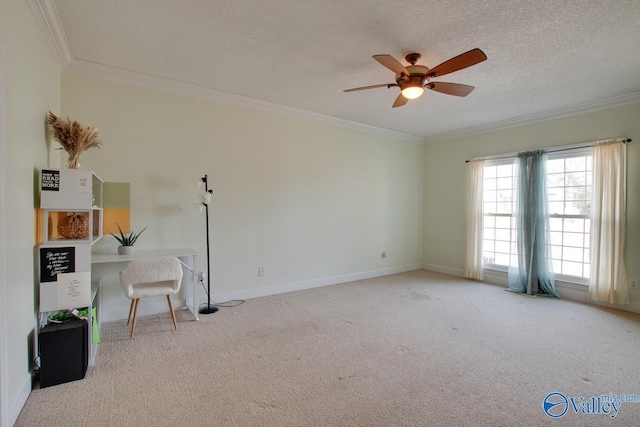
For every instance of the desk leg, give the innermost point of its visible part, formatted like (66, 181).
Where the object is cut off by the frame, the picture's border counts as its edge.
(190, 288)
(194, 287)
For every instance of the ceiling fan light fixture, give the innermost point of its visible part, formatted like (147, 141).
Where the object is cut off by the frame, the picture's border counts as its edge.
(412, 92)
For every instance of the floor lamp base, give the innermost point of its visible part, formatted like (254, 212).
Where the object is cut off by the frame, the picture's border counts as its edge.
(208, 310)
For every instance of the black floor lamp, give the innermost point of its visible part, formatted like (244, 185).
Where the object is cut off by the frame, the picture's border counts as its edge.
(205, 198)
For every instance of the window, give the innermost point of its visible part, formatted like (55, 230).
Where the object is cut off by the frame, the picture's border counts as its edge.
(569, 194)
(499, 194)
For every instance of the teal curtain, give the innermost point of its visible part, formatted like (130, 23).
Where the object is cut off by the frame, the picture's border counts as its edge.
(531, 272)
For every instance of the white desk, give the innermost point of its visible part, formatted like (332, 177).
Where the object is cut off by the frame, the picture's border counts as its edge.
(188, 256)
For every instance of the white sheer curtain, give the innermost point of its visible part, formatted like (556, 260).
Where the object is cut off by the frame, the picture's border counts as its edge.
(475, 219)
(608, 279)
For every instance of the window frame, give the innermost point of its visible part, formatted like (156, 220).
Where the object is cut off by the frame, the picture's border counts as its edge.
(568, 154)
(496, 163)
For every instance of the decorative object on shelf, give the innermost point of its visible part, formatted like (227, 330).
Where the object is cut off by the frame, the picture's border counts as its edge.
(75, 137)
(59, 316)
(74, 226)
(205, 199)
(127, 241)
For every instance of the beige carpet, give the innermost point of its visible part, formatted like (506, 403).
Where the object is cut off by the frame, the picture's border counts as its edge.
(417, 348)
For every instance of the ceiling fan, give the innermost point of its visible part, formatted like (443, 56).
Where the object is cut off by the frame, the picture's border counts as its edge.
(413, 79)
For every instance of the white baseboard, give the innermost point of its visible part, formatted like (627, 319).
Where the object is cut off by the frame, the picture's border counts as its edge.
(145, 308)
(20, 399)
(245, 294)
(570, 291)
(580, 293)
(151, 308)
(444, 270)
(496, 278)
(566, 290)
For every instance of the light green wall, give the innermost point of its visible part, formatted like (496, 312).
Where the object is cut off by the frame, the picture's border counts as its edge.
(303, 199)
(32, 88)
(116, 195)
(445, 173)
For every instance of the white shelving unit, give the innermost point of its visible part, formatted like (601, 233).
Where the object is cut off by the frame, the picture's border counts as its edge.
(95, 302)
(66, 192)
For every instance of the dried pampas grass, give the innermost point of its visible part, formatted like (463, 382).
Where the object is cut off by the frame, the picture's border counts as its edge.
(74, 137)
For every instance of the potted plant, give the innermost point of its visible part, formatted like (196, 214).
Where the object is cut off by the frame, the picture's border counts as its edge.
(127, 241)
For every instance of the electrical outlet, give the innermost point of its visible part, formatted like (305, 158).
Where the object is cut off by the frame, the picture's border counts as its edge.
(260, 271)
(451, 257)
(634, 284)
(200, 276)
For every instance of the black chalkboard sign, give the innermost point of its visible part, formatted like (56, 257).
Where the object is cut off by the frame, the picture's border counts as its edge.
(54, 260)
(50, 180)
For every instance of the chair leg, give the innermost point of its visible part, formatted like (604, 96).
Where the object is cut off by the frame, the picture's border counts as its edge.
(173, 314)
(135, 317)
(130, 312)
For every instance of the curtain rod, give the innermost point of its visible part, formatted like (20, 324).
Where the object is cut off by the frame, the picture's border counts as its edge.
(508, 156)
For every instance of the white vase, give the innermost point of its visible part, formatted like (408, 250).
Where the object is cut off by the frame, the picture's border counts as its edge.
(126, 250)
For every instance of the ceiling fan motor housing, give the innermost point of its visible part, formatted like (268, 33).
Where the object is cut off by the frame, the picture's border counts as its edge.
(417, 76)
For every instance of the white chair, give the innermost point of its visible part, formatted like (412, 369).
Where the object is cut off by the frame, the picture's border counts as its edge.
(149, 278)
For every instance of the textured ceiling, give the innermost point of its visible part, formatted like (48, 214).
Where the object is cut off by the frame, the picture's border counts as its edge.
(543, 55)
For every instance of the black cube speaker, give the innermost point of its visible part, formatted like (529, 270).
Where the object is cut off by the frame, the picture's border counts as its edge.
(64, 352)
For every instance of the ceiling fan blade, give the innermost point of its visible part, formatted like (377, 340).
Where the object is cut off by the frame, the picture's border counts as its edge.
(460, 62)
(387, 85)
(400, 101)
(391, 63)
(456, 89)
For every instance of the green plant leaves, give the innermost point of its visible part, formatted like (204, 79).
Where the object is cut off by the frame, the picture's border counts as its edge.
(127, 239)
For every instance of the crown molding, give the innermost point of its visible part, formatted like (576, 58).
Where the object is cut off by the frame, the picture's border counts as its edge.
(616, 101)
(46, 16)
(133, 78)
(148, 81)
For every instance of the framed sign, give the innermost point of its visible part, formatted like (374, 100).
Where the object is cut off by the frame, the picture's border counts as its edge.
(74, 289)
(56, 260)
(50, 180)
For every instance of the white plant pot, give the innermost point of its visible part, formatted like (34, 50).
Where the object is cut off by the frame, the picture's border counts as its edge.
(126, 250)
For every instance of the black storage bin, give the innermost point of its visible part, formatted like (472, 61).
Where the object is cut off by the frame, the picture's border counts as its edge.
(64, 352)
